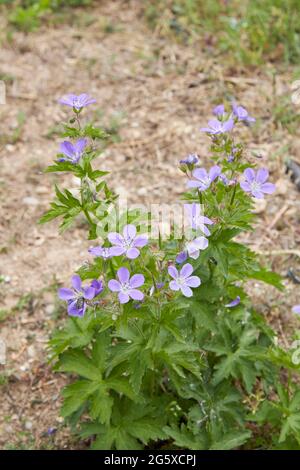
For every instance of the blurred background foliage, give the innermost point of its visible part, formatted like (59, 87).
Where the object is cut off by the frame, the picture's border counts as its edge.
(250, 30)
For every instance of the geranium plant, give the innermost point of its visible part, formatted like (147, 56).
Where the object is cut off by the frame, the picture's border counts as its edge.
(161, 341)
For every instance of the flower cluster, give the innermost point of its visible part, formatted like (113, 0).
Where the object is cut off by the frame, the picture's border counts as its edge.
(128, 243)
(73, 152)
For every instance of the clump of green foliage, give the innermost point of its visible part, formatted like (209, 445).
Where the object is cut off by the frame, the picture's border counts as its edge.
(26, 15)
(250, 30)
(184, 368)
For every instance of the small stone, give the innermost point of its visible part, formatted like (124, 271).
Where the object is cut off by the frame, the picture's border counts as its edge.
(42, 190)
(28, 425)
(49, 309)
(30, 201)
(31, 351)
(260, 206)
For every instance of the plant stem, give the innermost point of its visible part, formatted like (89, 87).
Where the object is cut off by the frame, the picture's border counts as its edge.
(233, 195)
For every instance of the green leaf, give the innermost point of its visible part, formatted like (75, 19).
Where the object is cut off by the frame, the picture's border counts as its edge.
(75, 395)
(231, 440)
(77, 362)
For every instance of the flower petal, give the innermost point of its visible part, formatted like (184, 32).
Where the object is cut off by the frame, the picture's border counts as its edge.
(186, 291)
(234, 302)
(114, 285)
(88, 293)
(214, 172)
(193, 184)
(129, 231)
(296, 309)
(115, 238)
(76, 282)
(80, 145)
(174, 286)
(123, 298)
(173, 272)
(258, 194)
(117, 250)
(200, 174)
(228, 125)
(136, 294)
(249, 174)
(186, 270)
(193, 281)
(140, 241)
(137, 280)
(245, 186)
(123, 275)
(262, 175)
(181, 257)
(132, 253)
(268, 188)
(66, 294)
(67, 149)
(74, 311)
(96, 250)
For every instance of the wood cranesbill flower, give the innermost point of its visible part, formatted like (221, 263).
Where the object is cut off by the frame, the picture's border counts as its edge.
(216, 127)
(78, 296)
(296, 309)
(196, 220)
(192, 249)
(72, 152)
(241, 114)
(191, 160)
(234, 302)
(128, 243)
(126, 286)
(219, 110)
(256, 183)
(203, 179)
(77, 101)
(101, 252)
(183, 280)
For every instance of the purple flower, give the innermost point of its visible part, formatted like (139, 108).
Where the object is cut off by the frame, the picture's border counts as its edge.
(78, 296)
(234, 302)
(77, 102)
(181, 257)
(51, 431)
(256, 183)
(98, 286)
(195, 246)
(203, 179)
(126, 286)
(196, 219)
(219, 110)
(183, 280)
(101, 252)
(192, 249)
(242, 114)
(190, 160)
(296, 309)
(217, 127)
(128, 243)
(72, 152)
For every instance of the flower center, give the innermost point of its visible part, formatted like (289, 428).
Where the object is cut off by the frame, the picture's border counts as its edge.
(125, 287)
(76, 103)
(127, 242)
(105, 253)
(180, 281)
(255, 186)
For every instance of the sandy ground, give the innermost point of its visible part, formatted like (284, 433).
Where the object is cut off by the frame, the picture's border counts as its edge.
(160, 93)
